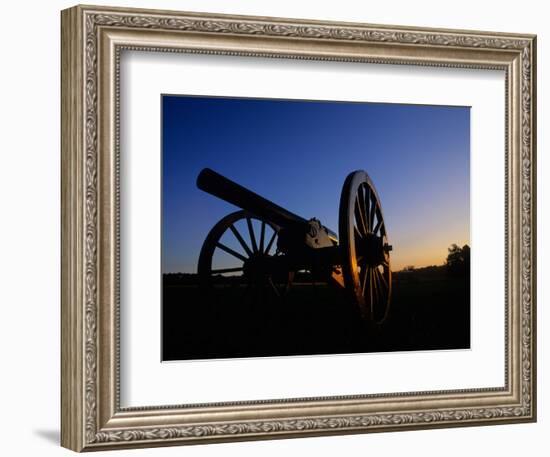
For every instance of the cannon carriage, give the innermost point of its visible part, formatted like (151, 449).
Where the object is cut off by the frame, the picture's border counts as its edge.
(281, 243)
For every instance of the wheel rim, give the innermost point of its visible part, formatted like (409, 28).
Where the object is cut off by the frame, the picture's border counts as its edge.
(251, 246)
(365, 248)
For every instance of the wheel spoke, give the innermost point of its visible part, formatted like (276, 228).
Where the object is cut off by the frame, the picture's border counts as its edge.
(371, 287)
(270, 242)
(251, 232)
(359, 219)
(364, 195)
(381, 278)
(375, 284)
(227, 249)
(360, 212)
(262, 236)
(256, 292)
(357, 232)
(384, 290)
(245, 293)
(372, 209)
(240, 240)
(274, 287)
(378, 224)
(364, 271)
(226, 270)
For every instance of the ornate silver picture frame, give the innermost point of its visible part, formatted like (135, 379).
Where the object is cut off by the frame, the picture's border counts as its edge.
(93, 40)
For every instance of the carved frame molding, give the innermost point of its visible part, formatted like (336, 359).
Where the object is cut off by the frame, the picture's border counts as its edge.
(92, 40)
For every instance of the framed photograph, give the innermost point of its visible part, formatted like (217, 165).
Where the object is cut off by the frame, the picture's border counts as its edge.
(280, 228)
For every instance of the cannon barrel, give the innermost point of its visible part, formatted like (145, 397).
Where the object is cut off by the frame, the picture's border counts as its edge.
(221, 187)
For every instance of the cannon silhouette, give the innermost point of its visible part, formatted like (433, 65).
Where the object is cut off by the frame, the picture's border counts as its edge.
(358, 261)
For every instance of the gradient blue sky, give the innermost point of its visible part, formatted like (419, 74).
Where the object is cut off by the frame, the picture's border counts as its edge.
(298, 154)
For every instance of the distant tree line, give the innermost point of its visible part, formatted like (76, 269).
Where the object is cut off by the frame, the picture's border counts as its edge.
(457, 264)
(179, 278)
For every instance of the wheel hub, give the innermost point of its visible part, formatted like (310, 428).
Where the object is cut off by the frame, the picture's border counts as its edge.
(372, 249)
(257, 267)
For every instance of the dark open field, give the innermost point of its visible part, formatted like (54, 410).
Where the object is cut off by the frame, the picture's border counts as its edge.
(428, 311)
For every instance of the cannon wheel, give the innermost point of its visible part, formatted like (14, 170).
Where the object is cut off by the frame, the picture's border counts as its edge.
(259, 245)
(367, 274)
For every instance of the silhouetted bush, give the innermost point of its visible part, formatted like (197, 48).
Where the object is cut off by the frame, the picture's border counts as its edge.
(458, 260)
